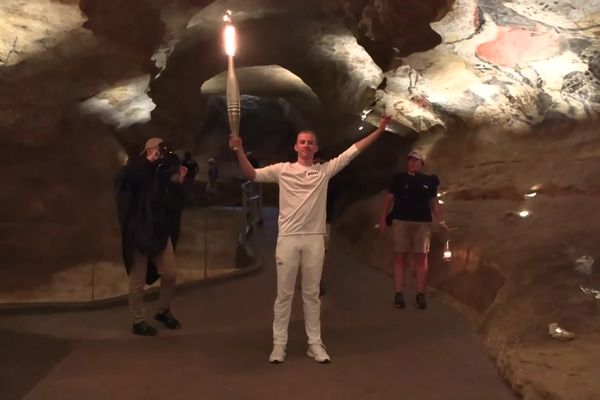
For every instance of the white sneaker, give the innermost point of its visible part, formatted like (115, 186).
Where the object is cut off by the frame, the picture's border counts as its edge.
(317, 351)
(278, 354)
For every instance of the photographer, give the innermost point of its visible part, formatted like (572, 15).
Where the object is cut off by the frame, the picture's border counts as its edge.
(149, 213)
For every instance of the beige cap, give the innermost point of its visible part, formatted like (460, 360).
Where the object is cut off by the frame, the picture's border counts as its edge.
(150, 143)
(416, 154)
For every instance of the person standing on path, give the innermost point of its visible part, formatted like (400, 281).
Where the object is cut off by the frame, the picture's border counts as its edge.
(414, 198)
(149, 231)
(301, 242)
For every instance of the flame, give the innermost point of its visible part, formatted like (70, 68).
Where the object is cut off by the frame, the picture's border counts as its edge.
(230, 42)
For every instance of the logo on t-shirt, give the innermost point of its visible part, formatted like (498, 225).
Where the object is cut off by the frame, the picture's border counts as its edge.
(312, 172)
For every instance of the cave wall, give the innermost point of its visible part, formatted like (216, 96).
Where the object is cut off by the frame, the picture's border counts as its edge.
(513, 275)
(496, 88)
(57, 205)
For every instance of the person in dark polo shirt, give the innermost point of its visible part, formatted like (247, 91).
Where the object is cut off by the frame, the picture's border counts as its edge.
(414, 198)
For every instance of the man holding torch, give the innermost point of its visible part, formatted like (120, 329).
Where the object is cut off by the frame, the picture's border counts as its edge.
(301, 240)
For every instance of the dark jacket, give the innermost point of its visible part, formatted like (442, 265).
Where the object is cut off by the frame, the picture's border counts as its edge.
(149, 208)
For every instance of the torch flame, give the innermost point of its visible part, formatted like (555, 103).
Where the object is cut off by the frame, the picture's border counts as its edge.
(230, 42)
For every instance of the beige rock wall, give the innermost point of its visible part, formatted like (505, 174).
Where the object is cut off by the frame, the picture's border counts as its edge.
(514, 275)
(57, 205)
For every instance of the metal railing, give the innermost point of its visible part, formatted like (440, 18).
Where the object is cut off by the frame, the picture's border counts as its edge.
(206, 249)
(251, 207)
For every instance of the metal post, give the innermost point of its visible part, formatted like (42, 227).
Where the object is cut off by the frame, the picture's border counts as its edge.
(205, 244)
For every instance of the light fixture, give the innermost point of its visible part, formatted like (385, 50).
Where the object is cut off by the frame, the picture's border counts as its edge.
(560, 333)
(531, 195)
(524, 213)
(360, 128)
(447, 252)
(440, 201)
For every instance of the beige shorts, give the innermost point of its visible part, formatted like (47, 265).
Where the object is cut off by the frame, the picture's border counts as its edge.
(411, 236)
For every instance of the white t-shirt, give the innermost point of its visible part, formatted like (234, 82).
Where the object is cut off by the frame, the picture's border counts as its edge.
(303, 192)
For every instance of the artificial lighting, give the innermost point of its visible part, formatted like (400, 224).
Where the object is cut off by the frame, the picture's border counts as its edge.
(523, 213)
(559, 333)
(591, 292)
(531, 194)
(447, 252)
(439, 195)
(441, 201)
(360, 128)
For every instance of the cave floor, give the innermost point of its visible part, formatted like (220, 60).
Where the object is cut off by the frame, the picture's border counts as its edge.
(378, 352)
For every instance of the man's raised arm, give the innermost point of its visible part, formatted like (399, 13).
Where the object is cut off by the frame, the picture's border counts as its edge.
(365, 142)
(235, 143)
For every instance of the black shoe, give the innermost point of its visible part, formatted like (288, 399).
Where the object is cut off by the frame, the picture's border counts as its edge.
(322, 288)
(421, 302)
(168, 320)
(143, 329)
(399, 300)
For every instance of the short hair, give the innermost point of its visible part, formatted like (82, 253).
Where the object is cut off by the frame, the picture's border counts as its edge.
(309, 132)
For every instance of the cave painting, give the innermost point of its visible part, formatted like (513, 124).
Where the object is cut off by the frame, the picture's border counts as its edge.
(518, 46)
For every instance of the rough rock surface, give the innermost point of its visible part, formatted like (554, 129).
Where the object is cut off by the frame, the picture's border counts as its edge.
(513, 276)
(84, 82)
(506, 67)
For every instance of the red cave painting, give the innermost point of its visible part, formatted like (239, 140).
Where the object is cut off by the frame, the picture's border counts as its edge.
(518, 46)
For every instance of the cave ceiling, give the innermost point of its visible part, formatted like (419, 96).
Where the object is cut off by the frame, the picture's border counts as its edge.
(512, 64)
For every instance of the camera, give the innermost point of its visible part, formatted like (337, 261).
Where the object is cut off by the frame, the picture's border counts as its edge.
(169, 158)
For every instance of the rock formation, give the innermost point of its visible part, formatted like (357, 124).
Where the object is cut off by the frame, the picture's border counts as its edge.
(502, 95)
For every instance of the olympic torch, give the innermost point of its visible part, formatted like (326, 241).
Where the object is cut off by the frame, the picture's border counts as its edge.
(233, 89)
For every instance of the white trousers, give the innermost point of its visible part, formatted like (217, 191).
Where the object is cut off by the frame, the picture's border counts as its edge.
(306, 252)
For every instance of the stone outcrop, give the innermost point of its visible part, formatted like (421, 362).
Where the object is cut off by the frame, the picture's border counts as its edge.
(513, 276)
(84, 82)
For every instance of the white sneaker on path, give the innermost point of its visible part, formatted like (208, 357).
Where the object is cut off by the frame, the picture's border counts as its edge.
(278, 354)
(317, 351)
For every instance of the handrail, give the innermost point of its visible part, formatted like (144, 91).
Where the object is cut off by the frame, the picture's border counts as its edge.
(251, 207)
(101, 272)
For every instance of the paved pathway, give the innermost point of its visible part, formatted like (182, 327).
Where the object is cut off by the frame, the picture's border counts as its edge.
(378, 352)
